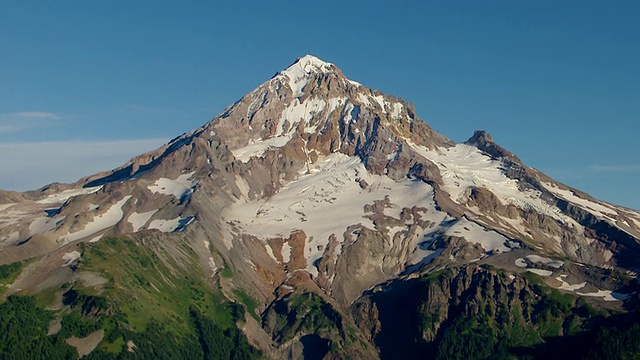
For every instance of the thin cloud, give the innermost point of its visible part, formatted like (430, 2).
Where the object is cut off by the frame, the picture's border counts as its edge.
(27, 166)
(629, 168)
(24, 120)
(34, 115)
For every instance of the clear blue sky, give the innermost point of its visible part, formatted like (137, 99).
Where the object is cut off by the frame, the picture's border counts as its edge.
(85, 85)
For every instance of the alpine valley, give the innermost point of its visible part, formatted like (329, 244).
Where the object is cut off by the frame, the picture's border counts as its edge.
(317, 218)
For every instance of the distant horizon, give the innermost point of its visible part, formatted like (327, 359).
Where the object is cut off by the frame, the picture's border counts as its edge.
(556, 84)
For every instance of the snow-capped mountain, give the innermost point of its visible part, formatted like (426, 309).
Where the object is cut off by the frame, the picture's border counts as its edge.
(314, 183)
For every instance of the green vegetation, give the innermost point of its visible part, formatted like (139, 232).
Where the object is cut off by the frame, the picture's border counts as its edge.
(147, 282)
(477, 314)
(23, 332)
(217, 343)
(157, 304)
(321, 328)
(8, 273)
(250, 303)
(303, 313)
(546, 313)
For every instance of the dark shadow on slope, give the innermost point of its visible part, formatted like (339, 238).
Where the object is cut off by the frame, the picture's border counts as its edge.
(127, 172)
(615, 337)
(315, 347)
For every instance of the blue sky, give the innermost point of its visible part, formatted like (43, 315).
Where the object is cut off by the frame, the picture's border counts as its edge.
(84, 86)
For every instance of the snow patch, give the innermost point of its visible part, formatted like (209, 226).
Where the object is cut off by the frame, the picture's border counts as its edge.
(297, 112)
(599, 210)
(394, 230)
(42, 225)
(69, 258)
(397, 110)
(212, 264)
(540, 272)
(270, 252)
(179, 188)
(258, 148)
(138, 220)
(607, 295)
(68, 194)
(543, 260)
(474, 233)
(380, 100)
(100, 222)
(565, 285)
(364, 99)
(172, 225)
(521, 263)
(286, 252)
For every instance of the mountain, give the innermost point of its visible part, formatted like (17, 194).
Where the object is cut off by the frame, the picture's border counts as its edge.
(318, 218)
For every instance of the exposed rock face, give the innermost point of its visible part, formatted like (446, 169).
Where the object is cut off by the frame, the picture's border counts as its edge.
(315, 187)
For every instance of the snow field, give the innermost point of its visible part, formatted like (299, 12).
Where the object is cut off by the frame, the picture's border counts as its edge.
(474, 233)
(325, 202)
(170, 225)
(463, 166)
(565, 285)
(42, 224)
(257, 148)
(544, 260)
(138, 220)
(67, 194)
(540, 272)
(100, 222)
(297, 74)
(178, 187)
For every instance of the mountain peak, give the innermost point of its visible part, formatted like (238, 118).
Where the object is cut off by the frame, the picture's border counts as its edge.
(479, 137)
(300, 72)
(308, 64)
(484, 141)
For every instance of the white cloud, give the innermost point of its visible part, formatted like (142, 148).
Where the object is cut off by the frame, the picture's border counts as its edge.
(18, 121)
(33, 115)
(27, 166)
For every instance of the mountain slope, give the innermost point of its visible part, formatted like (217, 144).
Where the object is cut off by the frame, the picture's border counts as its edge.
(312, 191)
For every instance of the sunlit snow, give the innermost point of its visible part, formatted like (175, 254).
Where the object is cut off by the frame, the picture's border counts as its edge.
(540, 272)
(474, 233)
(70, 257)
(100, 222)
(326, 202)
(178, 188)
(138, 220)
(464, 166)
(297, 74)
(170, 225)
(544, 260)
(565, 285)
(606, 295)
(257, 148)
(67, 194)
